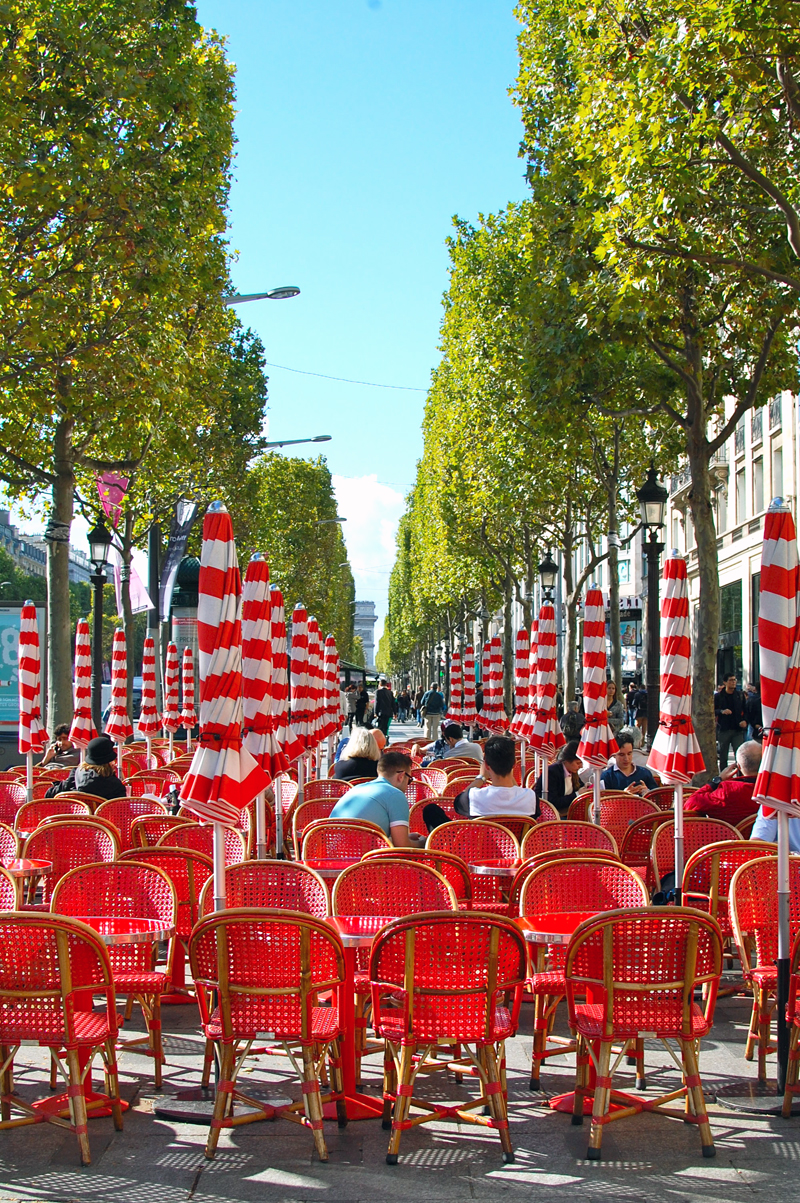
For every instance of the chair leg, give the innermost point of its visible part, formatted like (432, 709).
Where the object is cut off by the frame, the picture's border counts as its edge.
(539, 1037)
(53, 1068)
(6, 1084)
(641, 1080)
(581, 1080)
(154, 1032)
(763, 1032)
(77, 1105)
(311, 1101)
(602, 1099)
(791, 1072)
(402, 1104)
(208, 1061)
(112, 1083)
(752, 1031)
(389, 1086)
(497, 1102)
(226, 1056)
(129, 1008)
(337, 1082)
(695, 1088)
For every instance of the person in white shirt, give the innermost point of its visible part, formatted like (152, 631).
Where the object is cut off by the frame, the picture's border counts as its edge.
(495, 792)
(767, 829)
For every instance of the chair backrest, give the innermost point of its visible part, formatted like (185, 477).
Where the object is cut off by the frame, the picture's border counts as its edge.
(359, 781)
(40, 788)
(282, 957)
(31, 814)
(77, 795)
(316, 791)
(47, 959)
(663, 952)
(157, 782)
(581, 885)
(457, 785)
(391, 887)
(12, 796)
(419, 791)
(127, 889)
(247, 824)
(69, 843)
(548, 812)
(10, 889)
(199, 837)
(518, 825)
(709, 872)
(341, 839)
(634, 846)
(9, 844)
(543, 858)
(753, 905)
(697, 833)
(288, 792)
(304, 813)
(280, 885)
(57, 772)
(122, 811)
(567, 833)
(664, 796)
(188, 872)
(436, 778)
(147, 830)
(451, 867)
(745, 826)
(453, 969)
(416, 822)
(476, 843)
(618, 811)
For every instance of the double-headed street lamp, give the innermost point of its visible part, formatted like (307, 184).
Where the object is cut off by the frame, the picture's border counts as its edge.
(652, 498)
(99, 547)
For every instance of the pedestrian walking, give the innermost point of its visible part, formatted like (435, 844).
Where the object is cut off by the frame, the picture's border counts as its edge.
(752, 712)
(362, 701)
(384, 706)
(351, 697)
(432, 709)
(615, 708)
(729, 708)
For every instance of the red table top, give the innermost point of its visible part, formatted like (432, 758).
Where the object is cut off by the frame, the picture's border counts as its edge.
(556, 927)
(26, 868)
(117, 929)
(330, 867)
(358, 931)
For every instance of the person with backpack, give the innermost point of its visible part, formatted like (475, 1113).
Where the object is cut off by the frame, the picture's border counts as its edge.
(571, 723)
(431, 710)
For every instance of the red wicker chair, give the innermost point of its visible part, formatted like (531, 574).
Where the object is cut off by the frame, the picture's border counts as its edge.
(634, 847)
(12, 796)
(130, 890)
(664, 795)
(157, 782)
(293, 958)
(518, 825)
(330, 845)
(280, 885)
(569, 886)
(753, 905)
(246, 823)
(47, 961)
(40, 788)
(303, 814)
(745, 826)
(567, 833)
(77, 795)
(56, 772)
(416, 822)
(199, 837)
(545, 858)
(122, 811)
(709, 872)
(135, 759)
(9, 844)
(436, 778)
(483, 846)
(316, 791)
(453, 972)
(547, 812)
(451, 867)
(419, 791)
(457, 785)
(67, 844)
(793, 1019)
(31, 814)
(648, 964)
(617, 811)
(288, 790)
(147, 830)
(698, 832)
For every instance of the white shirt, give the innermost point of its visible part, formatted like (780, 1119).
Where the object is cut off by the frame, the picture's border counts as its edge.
(767, 829)
(501, 800)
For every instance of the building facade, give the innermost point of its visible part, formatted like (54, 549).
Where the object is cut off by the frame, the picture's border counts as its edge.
(364, 626)
(29, 552)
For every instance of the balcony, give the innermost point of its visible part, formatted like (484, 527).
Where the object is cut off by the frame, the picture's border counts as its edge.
(775, 409)
(680, 483)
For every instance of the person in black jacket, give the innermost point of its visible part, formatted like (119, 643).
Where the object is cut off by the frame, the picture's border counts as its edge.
(360, 756)
(96, 774)
(752, 712)
(563, 781)
(362, 701)
(729, 710)
(384, 706)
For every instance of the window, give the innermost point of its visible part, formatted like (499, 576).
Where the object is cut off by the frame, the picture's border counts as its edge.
(729, 654)
(689, 531)
(741, 497)
(738, 439)
(722, 511)
(756, 425)
(775, 413)
(755, 599)
(676, 531)
(624, 572)
(777, 472)
(758, 485)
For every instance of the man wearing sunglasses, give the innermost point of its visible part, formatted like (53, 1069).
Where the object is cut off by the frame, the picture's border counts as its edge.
(383, 801)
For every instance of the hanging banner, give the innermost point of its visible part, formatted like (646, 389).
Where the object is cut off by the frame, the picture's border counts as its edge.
(181, 525)
(112, 488)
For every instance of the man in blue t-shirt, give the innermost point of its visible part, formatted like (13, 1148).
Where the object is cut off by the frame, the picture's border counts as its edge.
(633, 778)
(383, 801)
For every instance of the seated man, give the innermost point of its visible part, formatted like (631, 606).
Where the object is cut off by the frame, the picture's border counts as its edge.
(729, 796)
(564, 778)
(383, 801)
(767, 829)
(458, 745)
(625, 775)
(495, 792)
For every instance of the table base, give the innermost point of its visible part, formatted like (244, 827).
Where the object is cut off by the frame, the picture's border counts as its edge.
(357, 1106)
(753, 1098)
(196, 1106)
(97, 1105)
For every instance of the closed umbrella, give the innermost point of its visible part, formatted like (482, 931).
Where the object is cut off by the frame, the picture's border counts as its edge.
(171, 715)
(31, 731)
(224, 777)
(522, 652)
(496, 719)
(149, 723)
(597, 739)
(469, 714)
(257, 680)
(83, 728)
(530, 709)
(547, 736)
(286, 747)
(454, 707)
(119, 726)
(188, 714)
(331, 692)
(298, 688)
(316, 698)
(675, 753)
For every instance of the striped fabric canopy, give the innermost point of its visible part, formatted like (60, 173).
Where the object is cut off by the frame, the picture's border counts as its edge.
(83, 728)
(454, 709)
(289, 747)
(224, 777)
(495, 718)
(597, 739)
(522, 653)
(332, 703)
(188, 713)
(31, 729)
(532, 706)
(148, 723)
(257, 662)
(316, 682)
(546, 737)
(298, 677)
(119, 726)
(170, 715)
(675, 753)
(469, 714)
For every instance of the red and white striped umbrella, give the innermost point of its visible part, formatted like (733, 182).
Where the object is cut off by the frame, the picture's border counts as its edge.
(316, 683)
(546, 736)
(289, 746)
(469, 715)
(171, 715)
(148, 723)
(454, 709)
(597, 739)
(83, 728)
(332, 704)
(486, 676)
(119, 726)
(224, 777)
(298, 677)
(532, 707)
(31, 730)
(675, 753)
(257, 662)
(522, 652)
(495, 719)
(188, 713)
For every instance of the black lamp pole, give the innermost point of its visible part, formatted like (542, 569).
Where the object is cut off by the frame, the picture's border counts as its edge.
(99, 545)
(652, 498)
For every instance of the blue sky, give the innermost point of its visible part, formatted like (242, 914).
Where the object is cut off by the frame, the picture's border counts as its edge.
(363, 126)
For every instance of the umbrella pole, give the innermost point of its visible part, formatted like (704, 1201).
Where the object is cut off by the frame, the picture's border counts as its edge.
(783, 948)
(261, 826)
(596, 795)
(148, 741)
(300, 778)
(119, 761)
(219, 867)
(679, 865)
(277, 786)
(29, 776)
(188, 740)
(172, 745)
(544, 769)
(521, 758)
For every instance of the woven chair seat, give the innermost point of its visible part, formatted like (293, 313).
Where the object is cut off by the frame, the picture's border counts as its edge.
(765, 976)
(437, 1021)
(662, 1019)
(29, 1022)
(259, 1014)
(547, 983)
(143, 982)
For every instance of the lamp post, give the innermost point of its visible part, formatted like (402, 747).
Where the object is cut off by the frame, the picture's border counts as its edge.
(317, 438)
(273, 294)
(548, 575)
(652, 498)
(99, 545)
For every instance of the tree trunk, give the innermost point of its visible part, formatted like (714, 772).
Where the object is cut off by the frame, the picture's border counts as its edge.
(59, 656)
(127, 612)
(705, 639)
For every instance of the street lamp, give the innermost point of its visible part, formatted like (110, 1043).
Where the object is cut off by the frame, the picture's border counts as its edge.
(317, 438)
(548, 575)
(652, 498)
(99, 546)
(273, 294)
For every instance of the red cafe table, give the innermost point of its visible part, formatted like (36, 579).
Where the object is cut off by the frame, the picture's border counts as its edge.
(29, 871)
(355, 931)
(112, 930)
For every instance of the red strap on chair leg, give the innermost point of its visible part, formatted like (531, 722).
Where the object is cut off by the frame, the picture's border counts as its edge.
(405, 1091)
(226, 1087)
(81, 1129)
(74, 1091)
(493, 1088)
(401, 1125)
(310, 1087)
(498, 1123)
(693, 1080)
(604, 1083)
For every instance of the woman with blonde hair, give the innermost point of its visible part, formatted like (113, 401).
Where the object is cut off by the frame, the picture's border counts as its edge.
(360, 756)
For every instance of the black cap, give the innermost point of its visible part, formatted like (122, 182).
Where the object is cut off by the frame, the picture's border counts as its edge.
(100, 750)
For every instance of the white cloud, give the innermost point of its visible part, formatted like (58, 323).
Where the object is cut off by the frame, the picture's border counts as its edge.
(373, 512)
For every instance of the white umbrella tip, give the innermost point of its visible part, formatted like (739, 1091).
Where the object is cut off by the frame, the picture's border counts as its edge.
(217, 507)
(778, 505)
(29, 602)
(256, 556)
(675, 554)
